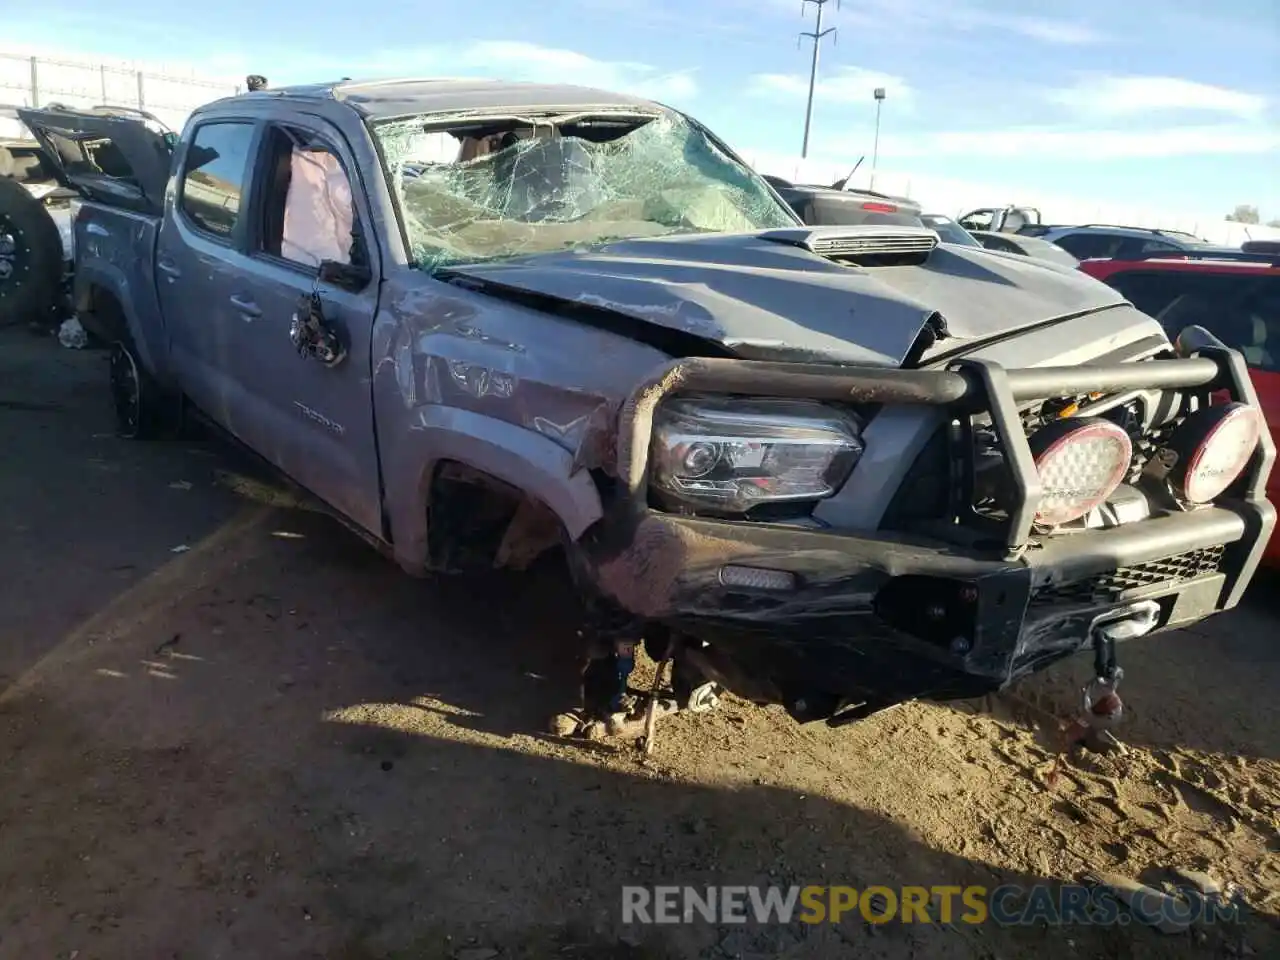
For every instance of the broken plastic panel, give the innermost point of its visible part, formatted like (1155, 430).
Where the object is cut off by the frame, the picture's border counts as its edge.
(530, 188)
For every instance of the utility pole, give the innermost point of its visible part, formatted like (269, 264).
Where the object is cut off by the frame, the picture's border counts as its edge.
(816, 36)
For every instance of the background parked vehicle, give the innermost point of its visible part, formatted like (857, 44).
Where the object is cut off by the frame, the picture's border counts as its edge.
(34, 222)
(1236, 296)
(1024, 245)
(995, 225)
(948, 230)
(833, 206)
(36, 210)
(1091, 241)
(828, 206)
(1010, 219)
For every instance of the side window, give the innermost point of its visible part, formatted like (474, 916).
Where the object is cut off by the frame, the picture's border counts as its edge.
(1136, 249)
(1151, 291)
(308, 214)
(1263, 309)
(978, 220)
(216, 174)
(1242, 312)
(1084, 246)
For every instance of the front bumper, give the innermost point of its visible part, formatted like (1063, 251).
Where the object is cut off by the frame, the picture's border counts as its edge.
(873, 618)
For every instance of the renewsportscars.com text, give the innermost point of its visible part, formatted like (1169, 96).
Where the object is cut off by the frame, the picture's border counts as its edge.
(1007, 905)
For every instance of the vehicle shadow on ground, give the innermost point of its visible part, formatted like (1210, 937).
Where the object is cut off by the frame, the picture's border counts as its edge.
(84, 515)
(165, 828)
(1208, 689)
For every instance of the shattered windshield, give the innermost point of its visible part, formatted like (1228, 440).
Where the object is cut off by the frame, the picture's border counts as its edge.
(490, 189)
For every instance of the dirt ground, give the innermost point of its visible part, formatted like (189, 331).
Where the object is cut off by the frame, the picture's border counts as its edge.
(274, 744)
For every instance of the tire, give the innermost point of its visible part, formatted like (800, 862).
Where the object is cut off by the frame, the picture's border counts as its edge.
(30, 257)
(143, 411)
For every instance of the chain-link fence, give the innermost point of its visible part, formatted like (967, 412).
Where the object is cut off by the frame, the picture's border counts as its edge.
(30, 81)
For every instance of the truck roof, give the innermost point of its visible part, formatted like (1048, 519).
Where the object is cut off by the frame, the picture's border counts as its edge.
(384, 99)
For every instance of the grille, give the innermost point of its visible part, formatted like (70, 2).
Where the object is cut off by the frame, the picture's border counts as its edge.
(1109, 587)
(1145, 447)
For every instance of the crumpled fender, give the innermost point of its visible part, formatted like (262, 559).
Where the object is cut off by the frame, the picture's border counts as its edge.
(526, 460)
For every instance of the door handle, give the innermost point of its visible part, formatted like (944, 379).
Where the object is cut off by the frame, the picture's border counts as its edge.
(247, 307)
(169, 267)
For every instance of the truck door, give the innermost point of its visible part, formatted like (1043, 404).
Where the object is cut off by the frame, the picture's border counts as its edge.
(199, 256)
(309, 248)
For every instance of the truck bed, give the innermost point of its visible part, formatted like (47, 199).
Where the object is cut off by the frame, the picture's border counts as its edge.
(115, 281)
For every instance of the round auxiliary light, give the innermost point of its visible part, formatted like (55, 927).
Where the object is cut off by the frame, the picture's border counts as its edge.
(1080, 463)
(1211, 449)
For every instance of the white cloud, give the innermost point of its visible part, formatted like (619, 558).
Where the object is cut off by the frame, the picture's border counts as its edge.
(933, 17)
(843, 85)
(1119, 96)
(1065, 32)
(520, 60)
(1084, 145)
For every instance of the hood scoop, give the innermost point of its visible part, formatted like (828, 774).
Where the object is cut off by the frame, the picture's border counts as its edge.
(867, 245)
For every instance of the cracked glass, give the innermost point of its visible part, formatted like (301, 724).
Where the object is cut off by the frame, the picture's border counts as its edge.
(481, 190)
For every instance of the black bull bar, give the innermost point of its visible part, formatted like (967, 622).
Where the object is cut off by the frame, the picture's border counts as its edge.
(966, 387)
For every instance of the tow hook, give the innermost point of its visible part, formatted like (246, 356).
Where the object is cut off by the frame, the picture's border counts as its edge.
(1101, 706)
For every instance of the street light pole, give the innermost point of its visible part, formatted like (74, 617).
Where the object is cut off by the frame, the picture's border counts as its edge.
(875, 150)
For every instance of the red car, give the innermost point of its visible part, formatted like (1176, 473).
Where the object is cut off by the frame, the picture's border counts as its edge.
(1234, 296)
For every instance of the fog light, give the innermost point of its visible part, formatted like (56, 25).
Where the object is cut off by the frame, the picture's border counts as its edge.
(1211, 449)
(1080, 461)
(756, 578)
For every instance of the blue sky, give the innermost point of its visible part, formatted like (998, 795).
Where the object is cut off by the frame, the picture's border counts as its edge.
(1151, 102)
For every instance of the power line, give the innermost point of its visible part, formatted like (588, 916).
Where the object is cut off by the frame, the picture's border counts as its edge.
(816, 36)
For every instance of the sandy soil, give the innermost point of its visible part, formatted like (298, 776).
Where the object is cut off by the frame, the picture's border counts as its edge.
(276, 745)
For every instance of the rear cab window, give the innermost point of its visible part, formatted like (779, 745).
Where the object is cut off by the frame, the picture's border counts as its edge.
(215, 175)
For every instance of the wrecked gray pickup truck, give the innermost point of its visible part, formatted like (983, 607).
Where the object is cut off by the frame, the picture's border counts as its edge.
(834, 468)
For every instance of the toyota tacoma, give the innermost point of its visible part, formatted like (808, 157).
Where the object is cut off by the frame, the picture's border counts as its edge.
(834, 468)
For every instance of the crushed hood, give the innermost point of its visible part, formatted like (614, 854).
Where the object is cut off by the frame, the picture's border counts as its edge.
(764, 299)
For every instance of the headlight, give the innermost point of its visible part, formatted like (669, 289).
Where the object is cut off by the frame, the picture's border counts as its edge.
(731, 455)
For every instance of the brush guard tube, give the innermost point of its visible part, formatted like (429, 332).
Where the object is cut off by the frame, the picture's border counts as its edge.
(968, 386)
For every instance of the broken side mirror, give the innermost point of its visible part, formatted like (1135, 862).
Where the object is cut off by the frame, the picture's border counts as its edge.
(311, 334)
(348, 276)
